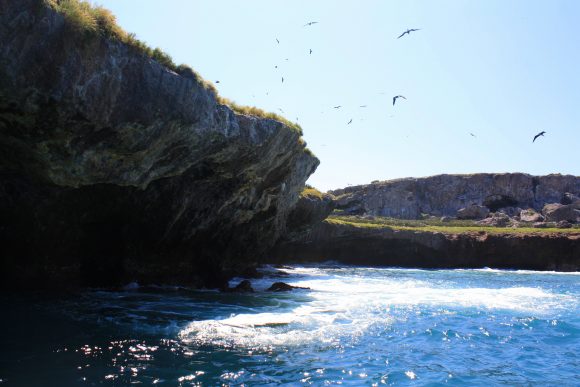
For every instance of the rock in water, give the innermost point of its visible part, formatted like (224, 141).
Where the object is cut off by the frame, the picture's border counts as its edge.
(283, 287)
(115, 168)
(243, 287)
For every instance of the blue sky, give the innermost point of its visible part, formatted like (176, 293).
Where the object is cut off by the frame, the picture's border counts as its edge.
(502, 70)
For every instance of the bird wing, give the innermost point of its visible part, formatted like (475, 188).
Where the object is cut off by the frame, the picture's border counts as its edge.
(394, 100)
(416, 29)
(402, 97)
(400, 36)
(536, 136)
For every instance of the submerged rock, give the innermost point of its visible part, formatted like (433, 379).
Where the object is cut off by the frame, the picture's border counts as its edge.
(244, 286)
(283, 287)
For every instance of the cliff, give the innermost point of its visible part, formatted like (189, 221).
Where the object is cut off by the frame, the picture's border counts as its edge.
(443, 195)
(379, 245)
(115, 168)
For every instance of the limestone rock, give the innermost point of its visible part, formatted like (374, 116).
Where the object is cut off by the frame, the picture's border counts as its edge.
(115, 168)
(496, 219)
(557, 212)
(443, 195)
(473, 212)
(531, 216)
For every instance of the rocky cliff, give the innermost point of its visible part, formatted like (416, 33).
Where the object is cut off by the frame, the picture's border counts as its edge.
(444, 195)
(387, 246)
(114, 168)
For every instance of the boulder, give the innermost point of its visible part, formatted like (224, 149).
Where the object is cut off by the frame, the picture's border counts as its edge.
(569, 198)
(243, 287)
(497, 219)
(446, 219)
(563, 224)
(557, 212)
(531, 216)
(473, 212)
(283, 287)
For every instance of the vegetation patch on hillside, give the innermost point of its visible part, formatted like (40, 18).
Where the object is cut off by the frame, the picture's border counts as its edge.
(89, 19)
(435, 225)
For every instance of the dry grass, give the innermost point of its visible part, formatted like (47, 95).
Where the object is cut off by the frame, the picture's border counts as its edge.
(85, 18)
(456, 228)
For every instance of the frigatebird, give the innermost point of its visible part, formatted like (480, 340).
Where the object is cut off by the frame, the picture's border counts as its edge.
(408, 32)
(217, 81)
(395, 98)
(363, 106)
(337, 107)
(282, 79)
(309, 24)
(538, 135)
(310, 51)
(277, 41)
(472, 135)
(349, 122)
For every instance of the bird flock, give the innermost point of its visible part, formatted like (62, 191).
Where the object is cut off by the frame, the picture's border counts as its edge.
(395, 98)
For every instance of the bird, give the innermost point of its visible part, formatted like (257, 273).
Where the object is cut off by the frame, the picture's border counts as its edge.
(310, 51)
(395, 98)
(408, 32)
(310, 23)
(363, 106)
(337, 107)
(472, 135)
(282, 79)
(349, 122)
(277, 41)
(217, 81)
(281, 110)
(538, 135)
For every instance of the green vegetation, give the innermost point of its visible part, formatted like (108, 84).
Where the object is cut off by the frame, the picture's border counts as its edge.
(311, 192)
(257, 112)
(435, 225)
(84, 17)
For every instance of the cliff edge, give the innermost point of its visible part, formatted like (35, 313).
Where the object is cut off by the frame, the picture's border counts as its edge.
(115, 168)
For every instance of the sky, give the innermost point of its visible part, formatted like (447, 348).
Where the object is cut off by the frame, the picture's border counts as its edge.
(481, 78)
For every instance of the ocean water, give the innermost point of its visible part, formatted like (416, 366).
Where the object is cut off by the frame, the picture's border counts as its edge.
(355, 326)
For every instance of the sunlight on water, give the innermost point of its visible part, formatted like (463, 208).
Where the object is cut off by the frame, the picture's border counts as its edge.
(354, 326)
(344, 307)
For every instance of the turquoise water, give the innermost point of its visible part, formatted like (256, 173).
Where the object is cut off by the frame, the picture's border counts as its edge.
(356, 326)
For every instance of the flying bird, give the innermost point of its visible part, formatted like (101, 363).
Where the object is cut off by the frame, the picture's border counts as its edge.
(349, 122)
(337, 107)
(395, 98)
(472, 135)
(281, 110)
(310, 23)
(363, 106)
(282, 79)
(538, 135)
(408, 32)
(277, 41)
(217, 81)
(310, 51)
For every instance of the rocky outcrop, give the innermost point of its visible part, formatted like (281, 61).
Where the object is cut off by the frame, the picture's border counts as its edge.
(114, 168)
(385, 246)
(473, 212)
(557, 212)
(444, 195)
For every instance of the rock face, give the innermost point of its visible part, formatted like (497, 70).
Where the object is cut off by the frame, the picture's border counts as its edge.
(444, 195)
(557, 212)
(411, 248)
(114, 168)
(472, 212)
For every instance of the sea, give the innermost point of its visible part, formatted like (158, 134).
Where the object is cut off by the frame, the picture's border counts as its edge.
(354, 326)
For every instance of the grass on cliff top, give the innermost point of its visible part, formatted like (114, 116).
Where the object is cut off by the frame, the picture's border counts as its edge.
(311, 192)
(435, 225)
(84, 17)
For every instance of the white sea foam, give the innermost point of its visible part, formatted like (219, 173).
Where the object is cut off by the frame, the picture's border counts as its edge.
(346, 303)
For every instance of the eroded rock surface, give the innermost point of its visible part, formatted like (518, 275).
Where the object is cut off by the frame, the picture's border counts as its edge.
(444, 195)
(115, 169)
